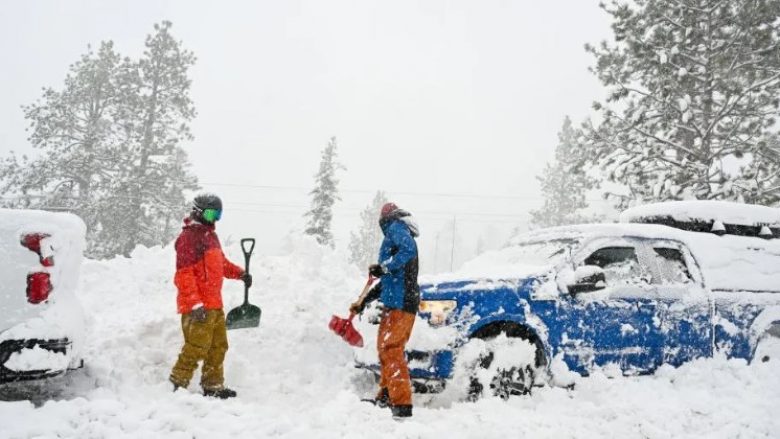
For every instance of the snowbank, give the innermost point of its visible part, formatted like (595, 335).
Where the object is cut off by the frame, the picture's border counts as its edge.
(295, 379)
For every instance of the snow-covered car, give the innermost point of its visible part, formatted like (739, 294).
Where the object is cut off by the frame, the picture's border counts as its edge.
(577, 298)
(41, 320)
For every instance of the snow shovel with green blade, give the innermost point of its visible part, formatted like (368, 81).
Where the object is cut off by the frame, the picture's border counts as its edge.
(246, 315)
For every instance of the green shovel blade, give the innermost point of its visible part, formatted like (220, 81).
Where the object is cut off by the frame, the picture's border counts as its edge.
(244, 316)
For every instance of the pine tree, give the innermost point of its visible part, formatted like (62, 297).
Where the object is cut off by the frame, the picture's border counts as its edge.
(364, 245)
(75, 131)
(694, 90)
(158, 109)
(109, 145)
(565, 185)
(324, 196)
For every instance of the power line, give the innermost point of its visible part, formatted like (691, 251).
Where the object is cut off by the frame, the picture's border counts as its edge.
(367, 191)
(300, 208)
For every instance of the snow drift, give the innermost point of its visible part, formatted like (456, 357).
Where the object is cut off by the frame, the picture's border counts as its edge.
(296, 379)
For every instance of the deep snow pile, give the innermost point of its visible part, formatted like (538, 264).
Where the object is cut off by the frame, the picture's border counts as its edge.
(295, 379)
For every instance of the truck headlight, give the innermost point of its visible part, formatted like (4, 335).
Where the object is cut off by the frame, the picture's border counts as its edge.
(438, 310)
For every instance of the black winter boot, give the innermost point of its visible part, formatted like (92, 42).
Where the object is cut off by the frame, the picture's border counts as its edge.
(401, 411)
(381, 400)
(222, 393)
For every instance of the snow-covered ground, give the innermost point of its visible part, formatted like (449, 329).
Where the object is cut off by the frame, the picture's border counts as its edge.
(295, 378)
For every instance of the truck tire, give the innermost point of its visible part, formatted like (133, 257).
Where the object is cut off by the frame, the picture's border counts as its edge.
(501, 366)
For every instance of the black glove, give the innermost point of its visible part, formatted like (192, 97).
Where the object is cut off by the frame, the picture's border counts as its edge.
(198, 314)
(376, 270)
(357, 307)
(247, 278)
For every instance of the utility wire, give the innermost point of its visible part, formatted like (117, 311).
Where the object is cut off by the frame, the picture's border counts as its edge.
(406, 193)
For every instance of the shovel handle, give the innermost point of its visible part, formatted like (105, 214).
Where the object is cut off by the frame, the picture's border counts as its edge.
(247, 246)
(247, 250)
(366, 289)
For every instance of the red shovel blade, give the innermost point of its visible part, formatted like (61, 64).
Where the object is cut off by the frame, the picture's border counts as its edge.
(344, 329)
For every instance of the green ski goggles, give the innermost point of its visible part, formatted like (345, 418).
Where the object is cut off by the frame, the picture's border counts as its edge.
(212, 215)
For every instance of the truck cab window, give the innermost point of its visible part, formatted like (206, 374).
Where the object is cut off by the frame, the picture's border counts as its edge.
(671, 264)
(620, 265)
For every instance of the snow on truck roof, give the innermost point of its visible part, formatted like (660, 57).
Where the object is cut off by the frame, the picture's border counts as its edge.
(703, 210)
(583, 231)
(727, 263)
(41, 221)
(528, 253)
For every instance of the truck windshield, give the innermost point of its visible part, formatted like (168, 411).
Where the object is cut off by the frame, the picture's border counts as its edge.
(548, 252)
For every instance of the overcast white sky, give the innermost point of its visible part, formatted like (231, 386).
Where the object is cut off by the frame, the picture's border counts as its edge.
(432, 97)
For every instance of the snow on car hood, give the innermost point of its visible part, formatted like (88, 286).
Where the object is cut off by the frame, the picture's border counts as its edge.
(481, 280)
(494, 269)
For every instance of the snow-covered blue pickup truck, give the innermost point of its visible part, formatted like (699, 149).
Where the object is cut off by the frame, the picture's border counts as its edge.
(572, 299)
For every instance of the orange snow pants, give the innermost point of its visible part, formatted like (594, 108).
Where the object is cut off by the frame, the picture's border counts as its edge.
(394, 331)
(203, 341)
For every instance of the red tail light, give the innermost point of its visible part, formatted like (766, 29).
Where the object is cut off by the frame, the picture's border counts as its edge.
(32, 241)
(38, 284)
(38, 287)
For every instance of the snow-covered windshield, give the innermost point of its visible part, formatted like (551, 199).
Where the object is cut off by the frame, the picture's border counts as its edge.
(547, 253)
(520, 259)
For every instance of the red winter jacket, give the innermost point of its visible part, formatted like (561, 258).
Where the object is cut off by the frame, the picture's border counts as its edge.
(200, 267)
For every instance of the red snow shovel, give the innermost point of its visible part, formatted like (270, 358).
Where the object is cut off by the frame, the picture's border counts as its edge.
(343, 327)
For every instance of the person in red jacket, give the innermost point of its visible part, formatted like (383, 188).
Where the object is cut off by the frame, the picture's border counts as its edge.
(200, 267)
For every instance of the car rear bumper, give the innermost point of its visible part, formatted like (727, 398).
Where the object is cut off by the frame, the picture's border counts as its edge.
(8, 348)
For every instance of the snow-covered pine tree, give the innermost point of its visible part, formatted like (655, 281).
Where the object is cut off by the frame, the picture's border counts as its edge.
(565, 184)
(155, 172)
(76, 132)
(694, 87)
(364, 245)
(324, 196)
(109, 147)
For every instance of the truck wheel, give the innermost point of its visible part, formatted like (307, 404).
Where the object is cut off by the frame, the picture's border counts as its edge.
(501, 366)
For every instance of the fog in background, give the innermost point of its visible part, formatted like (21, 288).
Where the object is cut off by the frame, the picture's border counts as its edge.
(451, 107)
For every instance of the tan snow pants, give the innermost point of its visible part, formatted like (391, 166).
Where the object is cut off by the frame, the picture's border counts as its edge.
(203, 341)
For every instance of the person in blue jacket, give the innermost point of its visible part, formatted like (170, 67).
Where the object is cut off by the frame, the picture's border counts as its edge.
(399, 292)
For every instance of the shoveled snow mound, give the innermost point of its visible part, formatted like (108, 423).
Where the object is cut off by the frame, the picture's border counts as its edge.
(295, 378)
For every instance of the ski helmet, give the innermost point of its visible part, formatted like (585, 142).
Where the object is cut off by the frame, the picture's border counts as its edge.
(207, 202)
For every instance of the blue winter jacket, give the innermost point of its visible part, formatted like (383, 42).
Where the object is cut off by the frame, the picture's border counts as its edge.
(398, 255)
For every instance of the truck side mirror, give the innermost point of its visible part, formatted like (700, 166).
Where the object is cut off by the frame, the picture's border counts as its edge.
(587, 278)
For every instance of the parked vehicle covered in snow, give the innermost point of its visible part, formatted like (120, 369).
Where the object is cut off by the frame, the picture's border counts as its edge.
(41, 320)
(635, 296)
